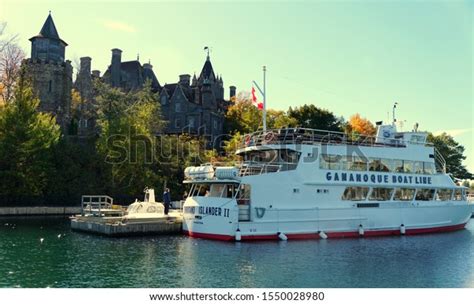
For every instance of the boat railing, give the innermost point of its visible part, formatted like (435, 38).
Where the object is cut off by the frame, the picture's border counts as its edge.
(95, 204)
(312, 136)
(255, 168)
(440, 162)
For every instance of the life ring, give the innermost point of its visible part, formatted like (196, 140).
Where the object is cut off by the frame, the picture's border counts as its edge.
(269, 137)
(247, 140)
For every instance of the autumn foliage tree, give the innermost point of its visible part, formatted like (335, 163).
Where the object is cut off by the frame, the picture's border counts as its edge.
(360, 125)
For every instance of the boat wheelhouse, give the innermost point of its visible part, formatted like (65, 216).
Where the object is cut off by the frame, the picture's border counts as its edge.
(305, 183)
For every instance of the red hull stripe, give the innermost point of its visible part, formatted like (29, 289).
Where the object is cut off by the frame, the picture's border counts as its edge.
(346, 234)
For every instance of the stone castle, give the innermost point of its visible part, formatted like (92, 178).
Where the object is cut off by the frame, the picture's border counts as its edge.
(195, 106)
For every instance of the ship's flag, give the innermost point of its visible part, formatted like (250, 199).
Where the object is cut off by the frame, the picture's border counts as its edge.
(255, 102)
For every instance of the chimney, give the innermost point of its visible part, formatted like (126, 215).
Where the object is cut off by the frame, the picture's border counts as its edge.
(115, 67)
(85, 68)
(232, 91)
(96, 73)
(185, 80)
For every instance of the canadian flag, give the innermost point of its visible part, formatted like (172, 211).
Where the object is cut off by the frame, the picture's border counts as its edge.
(256, 103)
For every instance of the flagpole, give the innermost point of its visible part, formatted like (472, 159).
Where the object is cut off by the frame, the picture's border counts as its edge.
(264, 100)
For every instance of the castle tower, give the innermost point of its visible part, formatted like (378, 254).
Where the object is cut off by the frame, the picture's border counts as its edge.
(83, 82)
(50, 74)
(47, 46)
(115, 68)
(232, 90)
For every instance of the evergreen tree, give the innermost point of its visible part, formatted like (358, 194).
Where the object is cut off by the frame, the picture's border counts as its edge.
(27, 138)
(453, 154)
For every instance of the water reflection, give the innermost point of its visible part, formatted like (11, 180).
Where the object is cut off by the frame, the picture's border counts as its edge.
(81, 260)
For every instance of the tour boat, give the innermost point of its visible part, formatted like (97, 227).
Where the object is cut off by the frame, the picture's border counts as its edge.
(298, 183)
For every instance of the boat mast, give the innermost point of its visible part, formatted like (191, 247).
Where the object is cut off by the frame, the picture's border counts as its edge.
(393, 113)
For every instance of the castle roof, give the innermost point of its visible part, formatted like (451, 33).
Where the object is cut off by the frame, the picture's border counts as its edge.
(134, 69)
(149, 74)
(207, 70)
(49, 30)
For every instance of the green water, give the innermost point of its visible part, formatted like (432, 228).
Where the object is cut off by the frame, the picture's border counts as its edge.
(81, 260)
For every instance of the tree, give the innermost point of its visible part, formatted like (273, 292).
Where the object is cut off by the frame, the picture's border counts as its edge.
(310, 116)
(128, 123)
(277, 119)
(453, 154)
(10, 62)
(27, 138)
(11, 56)
(360, 126)
(243, 117)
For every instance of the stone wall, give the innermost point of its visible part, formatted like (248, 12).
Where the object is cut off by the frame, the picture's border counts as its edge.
(52, 84)
(4, 211)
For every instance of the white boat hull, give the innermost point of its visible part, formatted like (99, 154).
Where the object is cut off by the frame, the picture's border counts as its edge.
(388, 219)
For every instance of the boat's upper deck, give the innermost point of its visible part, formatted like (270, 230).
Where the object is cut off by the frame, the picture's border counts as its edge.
(291, 136)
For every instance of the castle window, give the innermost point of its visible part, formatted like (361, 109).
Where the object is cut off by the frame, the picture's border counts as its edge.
(191, 122)
(215, 124)
(177, 123)
(50, 86)
(177, 107)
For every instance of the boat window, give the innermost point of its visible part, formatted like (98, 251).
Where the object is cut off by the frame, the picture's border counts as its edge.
(353, 163)
(404, 194)
(424, 194)
(418, 167)
(278, 160)
(443, 194)
(378, 164)
(217, 190)
(289, 159)
(231, 190)
(200, 190)
(381, 194)
(330, 162)
(408, 166)
(397, 165)
(429, 168)
(355, 193)
(458, 195)
(243, 194)
(386, 165)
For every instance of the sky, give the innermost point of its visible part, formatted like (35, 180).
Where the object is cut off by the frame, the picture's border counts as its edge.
(347, 56)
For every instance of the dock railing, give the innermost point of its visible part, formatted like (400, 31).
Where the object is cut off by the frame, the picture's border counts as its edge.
(95, 204)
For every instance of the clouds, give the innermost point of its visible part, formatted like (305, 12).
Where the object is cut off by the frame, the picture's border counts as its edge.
(118, 26)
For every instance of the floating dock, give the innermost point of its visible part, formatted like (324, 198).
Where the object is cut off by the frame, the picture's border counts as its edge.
(100, 216)
(115, 226)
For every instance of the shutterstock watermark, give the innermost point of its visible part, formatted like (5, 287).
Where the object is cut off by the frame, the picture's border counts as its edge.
(135, 148)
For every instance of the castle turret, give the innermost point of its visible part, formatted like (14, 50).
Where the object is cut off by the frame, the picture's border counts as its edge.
(50, 73)
(185, 80)
(232, 90)
(115, 67)
(47, 46)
